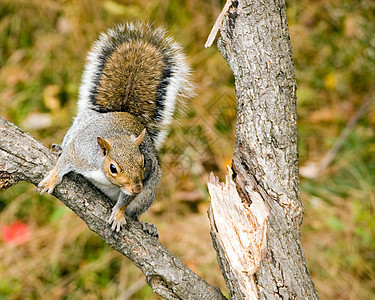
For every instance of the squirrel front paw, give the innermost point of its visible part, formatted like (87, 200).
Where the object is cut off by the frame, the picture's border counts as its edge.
(117, 218)
(48, 184)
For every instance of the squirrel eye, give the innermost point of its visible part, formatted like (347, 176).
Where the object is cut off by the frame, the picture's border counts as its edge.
(113, 169)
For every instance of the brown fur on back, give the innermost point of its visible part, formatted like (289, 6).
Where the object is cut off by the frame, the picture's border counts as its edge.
(130, 79)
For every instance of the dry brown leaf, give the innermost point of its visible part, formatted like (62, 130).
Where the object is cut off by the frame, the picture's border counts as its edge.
(51, 97)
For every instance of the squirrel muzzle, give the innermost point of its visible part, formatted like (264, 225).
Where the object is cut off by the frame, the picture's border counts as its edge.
(133, 189)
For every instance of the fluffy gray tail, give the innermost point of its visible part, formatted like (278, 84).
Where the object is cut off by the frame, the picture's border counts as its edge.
(137, 69)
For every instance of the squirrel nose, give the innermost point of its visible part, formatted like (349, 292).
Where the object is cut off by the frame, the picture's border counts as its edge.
(136, 189)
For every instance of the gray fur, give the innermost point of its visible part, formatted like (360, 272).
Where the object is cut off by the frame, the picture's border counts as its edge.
(80, 151)
(81, 154)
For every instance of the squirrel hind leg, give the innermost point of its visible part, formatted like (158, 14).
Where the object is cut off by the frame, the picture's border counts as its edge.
(56, 148)
(150, 229)
(138, 206)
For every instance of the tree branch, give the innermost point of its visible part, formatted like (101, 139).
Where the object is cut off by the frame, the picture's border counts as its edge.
(23, 158)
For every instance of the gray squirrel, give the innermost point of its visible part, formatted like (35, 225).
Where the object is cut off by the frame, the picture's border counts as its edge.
(133, 78)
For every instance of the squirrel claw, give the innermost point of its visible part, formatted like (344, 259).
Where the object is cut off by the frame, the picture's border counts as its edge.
(42, 189)
(116, 220)
(48, 184)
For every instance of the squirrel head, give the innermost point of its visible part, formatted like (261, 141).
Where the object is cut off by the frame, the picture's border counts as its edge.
(123, 162)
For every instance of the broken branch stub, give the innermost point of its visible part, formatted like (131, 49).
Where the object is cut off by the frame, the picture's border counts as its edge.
(239, 231)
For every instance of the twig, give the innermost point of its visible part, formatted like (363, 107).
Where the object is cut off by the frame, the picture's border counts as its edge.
(315, 170)
(135, 287)
(217, 25)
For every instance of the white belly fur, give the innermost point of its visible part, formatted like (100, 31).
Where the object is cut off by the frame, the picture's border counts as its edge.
(99, 179)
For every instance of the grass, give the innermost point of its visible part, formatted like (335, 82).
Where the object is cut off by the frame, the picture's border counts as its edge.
(43, 46)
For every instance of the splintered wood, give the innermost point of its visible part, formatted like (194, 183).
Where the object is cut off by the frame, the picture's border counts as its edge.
(240, 229)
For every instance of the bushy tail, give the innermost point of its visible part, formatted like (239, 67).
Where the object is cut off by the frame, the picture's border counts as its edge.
(137, 69)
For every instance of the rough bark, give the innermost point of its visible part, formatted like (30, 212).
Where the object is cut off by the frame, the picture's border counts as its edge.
(23, 158)
(255, 42)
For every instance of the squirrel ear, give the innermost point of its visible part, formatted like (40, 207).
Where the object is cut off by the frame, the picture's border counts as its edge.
(103, 145)
(138, 140)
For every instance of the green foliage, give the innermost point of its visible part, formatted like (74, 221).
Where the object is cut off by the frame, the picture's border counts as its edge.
(43, 47)
(340, 209)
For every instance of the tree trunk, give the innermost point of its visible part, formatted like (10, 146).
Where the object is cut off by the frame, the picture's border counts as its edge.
(256, 216)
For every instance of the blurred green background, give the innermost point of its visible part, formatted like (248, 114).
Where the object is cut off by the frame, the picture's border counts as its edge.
(43, 47)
